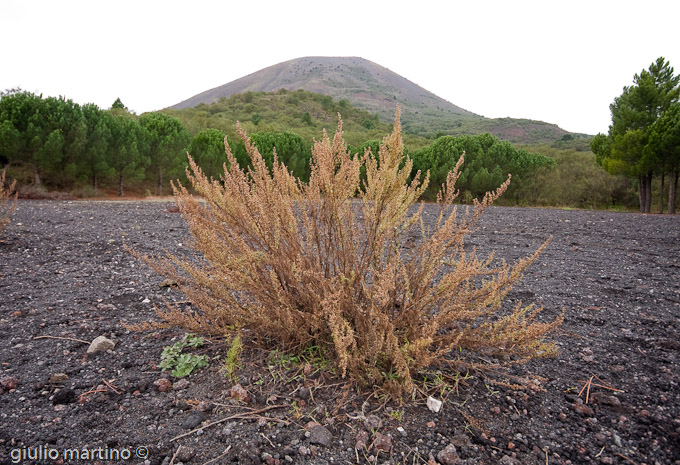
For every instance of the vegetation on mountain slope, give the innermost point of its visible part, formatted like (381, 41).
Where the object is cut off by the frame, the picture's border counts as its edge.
(378, 90)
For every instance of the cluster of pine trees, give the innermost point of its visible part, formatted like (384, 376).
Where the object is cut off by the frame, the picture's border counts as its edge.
(643, 141)
(488, 161)
(63, 144)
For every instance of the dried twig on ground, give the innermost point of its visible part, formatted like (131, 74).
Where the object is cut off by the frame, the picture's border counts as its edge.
(172, 460)
(226, 451)
(111, 386)
(62, 338)
(241, 415)
(588, 384)
(627, 459)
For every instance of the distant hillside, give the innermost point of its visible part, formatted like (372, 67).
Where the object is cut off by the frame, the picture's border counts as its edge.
(304, 113)
(365, 84)
(378, 90)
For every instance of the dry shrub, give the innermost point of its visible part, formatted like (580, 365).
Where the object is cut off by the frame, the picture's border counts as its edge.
(326, 264)
(8, 201)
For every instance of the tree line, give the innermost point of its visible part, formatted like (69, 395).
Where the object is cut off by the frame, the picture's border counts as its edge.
(643, 141)
(63, 145)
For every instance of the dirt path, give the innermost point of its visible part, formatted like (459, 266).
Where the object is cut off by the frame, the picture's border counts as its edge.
(65, 274)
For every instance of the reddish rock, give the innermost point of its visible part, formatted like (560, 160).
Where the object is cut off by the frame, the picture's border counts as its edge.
(382, 442)
(163, 384)
(239, 393)
(449, 456)
(9, 383)
(361, 440)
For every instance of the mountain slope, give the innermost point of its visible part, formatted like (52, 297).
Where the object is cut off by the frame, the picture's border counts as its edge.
(376, 89)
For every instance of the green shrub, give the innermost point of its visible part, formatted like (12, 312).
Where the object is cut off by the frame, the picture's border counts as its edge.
(182, 364)
(232, 362)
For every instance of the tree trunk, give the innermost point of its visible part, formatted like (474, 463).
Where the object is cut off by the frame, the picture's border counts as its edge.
(36, 176)
(644, 193)
(641, 193)
(663, 175)
(160, 181)
(94, 181)
(648, 195)
(120, 185)
(672, 189)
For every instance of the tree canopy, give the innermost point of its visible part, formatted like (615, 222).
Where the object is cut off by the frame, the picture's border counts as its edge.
(207, 150)
(168, 143)
(488, 161)
(47, 134)
(631, 146)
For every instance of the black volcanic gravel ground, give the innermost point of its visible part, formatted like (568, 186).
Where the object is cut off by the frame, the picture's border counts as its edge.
(65, 274)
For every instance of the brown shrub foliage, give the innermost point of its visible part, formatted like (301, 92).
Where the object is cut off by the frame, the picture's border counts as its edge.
(8, 201)
(324, 263)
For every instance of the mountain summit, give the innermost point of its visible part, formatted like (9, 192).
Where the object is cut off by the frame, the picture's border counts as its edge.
(376, 89)
(363, 83)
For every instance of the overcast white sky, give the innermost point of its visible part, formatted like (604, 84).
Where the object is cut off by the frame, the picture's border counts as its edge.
(561, 62)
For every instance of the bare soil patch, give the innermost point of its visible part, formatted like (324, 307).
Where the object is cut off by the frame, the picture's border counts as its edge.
(65, 278)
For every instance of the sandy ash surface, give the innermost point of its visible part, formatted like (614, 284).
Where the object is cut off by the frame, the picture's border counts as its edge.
(64, 274)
